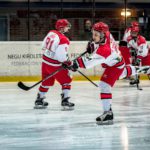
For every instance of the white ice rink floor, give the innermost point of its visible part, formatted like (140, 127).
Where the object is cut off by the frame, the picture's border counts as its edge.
(23, 128)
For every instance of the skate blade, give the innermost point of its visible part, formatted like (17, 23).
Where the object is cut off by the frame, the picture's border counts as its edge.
(40, 107)
(110, 122)
(66, 108)
(132, 85)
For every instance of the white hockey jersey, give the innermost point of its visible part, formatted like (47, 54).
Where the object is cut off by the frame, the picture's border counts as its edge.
(139, 45)
(55, 48)
(106, 54)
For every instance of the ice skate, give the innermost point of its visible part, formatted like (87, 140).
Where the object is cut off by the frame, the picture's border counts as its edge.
(105, 119)
(40, 103)
(66, 105)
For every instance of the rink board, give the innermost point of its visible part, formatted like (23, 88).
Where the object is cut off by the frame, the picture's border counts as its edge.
(22, 61)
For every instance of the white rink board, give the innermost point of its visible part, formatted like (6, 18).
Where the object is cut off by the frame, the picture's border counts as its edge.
(24, 58)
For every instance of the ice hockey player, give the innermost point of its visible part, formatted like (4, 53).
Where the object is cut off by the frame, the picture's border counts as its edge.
(55, 47)
(106, 53)
(128, 30)
(125, 51)
(139, 50)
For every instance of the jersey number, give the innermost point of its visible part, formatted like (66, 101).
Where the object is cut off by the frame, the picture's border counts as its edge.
(49, 43)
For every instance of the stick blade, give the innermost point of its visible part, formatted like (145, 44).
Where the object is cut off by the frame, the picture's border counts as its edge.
(23, 87)
(140, 89)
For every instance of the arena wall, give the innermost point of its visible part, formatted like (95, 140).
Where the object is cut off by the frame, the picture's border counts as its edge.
(22, 60)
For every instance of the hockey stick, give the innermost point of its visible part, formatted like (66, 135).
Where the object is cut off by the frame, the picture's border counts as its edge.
(137, 84)
(138, 81)
(137, 76)
(26, 88)
(87, 78)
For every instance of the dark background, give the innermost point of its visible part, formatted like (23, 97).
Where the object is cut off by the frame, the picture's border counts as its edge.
(30, 20)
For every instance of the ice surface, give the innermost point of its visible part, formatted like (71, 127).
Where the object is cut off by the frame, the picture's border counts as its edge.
(23, 128)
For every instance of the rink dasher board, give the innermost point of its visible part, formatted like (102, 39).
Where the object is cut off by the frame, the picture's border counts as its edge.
(23, 59)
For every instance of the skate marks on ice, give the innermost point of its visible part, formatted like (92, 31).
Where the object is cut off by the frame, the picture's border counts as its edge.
(22, 127)
(125, 84)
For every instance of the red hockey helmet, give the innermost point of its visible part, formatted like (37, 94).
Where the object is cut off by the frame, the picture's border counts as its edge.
(134, 23)
(135, 29)
(100, 27)
(62, 23)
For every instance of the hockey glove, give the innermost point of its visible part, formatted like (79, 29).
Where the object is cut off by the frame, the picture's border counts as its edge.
(67, 64)
(137, 62)
(90, 47)
(75, 66)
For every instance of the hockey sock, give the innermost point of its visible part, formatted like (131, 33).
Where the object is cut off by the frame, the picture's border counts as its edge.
(106, 101)
(105, 95)
(42, 94)
(66, 92)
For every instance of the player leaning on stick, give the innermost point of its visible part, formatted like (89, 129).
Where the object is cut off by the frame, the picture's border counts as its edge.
(105, 52)
(55, 47)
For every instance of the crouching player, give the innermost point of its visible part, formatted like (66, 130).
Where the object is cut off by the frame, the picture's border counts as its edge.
(139, 50)
(123, 46)
(55, 47)
(106, 53)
